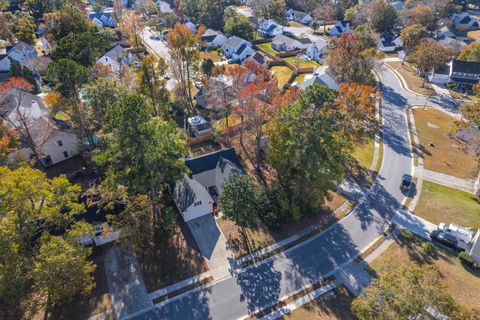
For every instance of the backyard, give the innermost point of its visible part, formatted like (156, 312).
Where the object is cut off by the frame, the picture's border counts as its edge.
(439, 203)
(414, 82)
(212, 55)
(461, 282)
(440, 152)
(282, 74)
(301, 63)
(267, 47)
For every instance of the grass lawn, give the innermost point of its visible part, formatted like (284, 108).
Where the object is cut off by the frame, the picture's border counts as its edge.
(459, 95)
(282, 74)
(461, 283)
(213, 55)
(98, 301)
(301, 63)
(301, 77)
(364, 152)
(267, 47)
(439, 203)
(414, 82)
(296, 24)
(335, 304)
(447, 155)
(474, 34)
(261, 236)
(164, 262)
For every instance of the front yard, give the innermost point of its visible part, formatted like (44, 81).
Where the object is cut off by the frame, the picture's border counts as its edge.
(439, 203)
(461, 283)
(301, 63)
(364, 152)
(282, 74)
(414, 82)
(447, 154)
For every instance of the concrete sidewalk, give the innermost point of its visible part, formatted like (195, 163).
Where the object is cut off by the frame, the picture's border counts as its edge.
(449, 181)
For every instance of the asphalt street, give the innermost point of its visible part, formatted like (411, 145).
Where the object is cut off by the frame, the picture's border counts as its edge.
(267, 282)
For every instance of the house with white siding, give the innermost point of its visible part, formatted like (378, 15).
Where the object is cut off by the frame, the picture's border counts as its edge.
(237, 49)
(21, 52)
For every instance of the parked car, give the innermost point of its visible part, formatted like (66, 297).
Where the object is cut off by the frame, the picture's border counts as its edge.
(155, 37)
(446, 239)
(406, 182)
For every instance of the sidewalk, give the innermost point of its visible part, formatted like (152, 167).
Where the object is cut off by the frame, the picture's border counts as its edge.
(449, 181)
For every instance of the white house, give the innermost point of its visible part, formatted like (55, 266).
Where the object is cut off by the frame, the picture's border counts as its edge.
(464, 74)
(464, 20)
(115, 58)
(284, 44)
(102, 19)
(269, 28)
(299, 16)
(21, 52)
(54, 140)
(389, 42)
(213, 38)
(163, 7)
(474, 249)
(320, 76)
(237, 49)
(316, 50)
(341, 27)
(197, 193)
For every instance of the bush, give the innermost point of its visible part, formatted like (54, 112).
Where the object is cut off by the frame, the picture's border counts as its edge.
(270, 212)
(466, 259)
(429, 248)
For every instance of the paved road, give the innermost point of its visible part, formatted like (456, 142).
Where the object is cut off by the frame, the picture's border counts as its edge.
(262, 285)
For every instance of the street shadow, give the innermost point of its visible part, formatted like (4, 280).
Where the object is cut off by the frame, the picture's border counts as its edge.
(393, 97)
(445, 102)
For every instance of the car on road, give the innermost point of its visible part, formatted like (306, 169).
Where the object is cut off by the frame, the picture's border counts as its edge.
(446, 239)
(155, 37)
(406, 182)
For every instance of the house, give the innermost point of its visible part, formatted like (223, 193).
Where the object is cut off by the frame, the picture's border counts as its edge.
(299, 16)
(464, 73)
(320, 76)
(305, 43)
(341, 27)
(237, 49)
(213, 38)
(389, 42)
(316, 50)
(443, 32)
(219, 86)
(452, 43)
(54, 140)
(163, 7)
(21, 52)
(115, 58)
(102, 19)
(258, 57)
(474, 249)
(440, 76)
(464, 20)
(284, 44)
(269, 28)
(192, 26)
(197, 193)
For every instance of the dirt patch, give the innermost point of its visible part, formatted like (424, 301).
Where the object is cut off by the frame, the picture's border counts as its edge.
(414, 82)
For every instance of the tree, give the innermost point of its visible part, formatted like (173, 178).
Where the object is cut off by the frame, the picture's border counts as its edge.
(67, 78)
(324, 12)
(131, 27)
(83, 48)
(68, 19)
(37, 8)
(207, 67)
(239, 201)
(183, 46)
(155, 161)
(357, 103)
(238, 25)
(8, 143)
(152, 84)
(470, 52)
(271, 9)
(190, 8)
(24, 27)
(13, 92)
(32, 206)
(211, 13)
(308, 150)
(348, 61)
(404, 292)
(412, 35)
(17, 70)
(419, 14)
(429, 55)
(382, 16)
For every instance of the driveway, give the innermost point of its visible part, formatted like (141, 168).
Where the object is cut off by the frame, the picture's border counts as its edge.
(212, 244)
(159, 48)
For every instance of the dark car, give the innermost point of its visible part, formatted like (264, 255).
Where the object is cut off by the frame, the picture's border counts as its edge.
(446, 239)
(406, 182)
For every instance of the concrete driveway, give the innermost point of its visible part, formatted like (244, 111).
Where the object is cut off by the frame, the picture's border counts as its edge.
(212, 244)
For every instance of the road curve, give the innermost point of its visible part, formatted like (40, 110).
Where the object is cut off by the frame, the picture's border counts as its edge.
(267, 282)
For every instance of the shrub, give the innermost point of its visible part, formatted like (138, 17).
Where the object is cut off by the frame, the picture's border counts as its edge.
(466, 259)
(270, 211)
(429, 248)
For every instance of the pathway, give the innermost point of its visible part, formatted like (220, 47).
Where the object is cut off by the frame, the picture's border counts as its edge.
(449, 181)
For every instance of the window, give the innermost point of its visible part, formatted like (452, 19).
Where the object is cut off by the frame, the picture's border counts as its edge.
(197, 203)
(60, 143)
(65, 154)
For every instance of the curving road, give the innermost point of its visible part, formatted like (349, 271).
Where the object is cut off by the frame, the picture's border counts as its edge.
(264, 284)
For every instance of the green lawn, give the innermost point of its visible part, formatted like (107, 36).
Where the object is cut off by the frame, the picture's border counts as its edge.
(282, 74)
(267, 47)
(301, 63)
(213, 55)
(443, 204)
(301, 77)
(364, 152)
